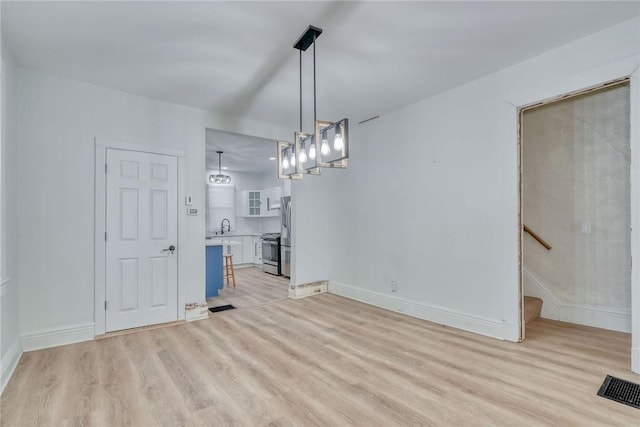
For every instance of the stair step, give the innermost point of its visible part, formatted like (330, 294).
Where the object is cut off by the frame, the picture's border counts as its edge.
(532, 308)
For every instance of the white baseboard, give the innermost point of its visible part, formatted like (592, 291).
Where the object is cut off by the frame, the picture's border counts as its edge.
(534, 287)
(56, 337)
(553, 308)
(606, 318)
(9, 362)
(487, 327)
(635, 360)
(308, 289)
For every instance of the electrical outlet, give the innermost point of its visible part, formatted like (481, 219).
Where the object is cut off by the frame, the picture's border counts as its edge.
(394, 286)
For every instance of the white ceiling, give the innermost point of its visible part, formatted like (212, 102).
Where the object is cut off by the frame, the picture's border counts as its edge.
(237, 57)
(241, 153)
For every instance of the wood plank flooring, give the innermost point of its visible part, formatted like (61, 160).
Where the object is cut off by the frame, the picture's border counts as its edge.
(323, 361)
(253, 287)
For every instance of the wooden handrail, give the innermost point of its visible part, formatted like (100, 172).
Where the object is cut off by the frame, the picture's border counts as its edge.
(535, 236)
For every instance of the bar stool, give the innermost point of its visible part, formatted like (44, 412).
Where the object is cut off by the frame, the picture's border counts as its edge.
(229, 272)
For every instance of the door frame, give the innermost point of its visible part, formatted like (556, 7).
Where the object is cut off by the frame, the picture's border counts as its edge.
(633, 79)
(101, 147)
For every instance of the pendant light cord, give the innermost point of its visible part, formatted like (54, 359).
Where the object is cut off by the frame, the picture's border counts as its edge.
(314, 81)
(300, 90)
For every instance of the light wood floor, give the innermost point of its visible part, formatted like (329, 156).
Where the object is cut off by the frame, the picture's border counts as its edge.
(253, 287)
(323, 360)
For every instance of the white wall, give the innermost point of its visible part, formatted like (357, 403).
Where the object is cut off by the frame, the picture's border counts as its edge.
(58, 120)
(10, 348)
(431, 195)
(575, 172)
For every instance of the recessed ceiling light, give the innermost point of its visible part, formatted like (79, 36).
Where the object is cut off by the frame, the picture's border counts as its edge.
(225, 168)
(272, 158)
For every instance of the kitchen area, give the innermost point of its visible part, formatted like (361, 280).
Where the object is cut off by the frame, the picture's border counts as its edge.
(248, 217)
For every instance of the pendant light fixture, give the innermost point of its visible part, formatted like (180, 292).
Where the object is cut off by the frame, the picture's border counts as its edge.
(219, 178)
(328, 146)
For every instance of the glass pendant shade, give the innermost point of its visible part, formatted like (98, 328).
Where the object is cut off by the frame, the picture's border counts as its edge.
(324, 149)
(307, 159)
(333, 155)
(286, 156)
(338, 143)
(219, 178)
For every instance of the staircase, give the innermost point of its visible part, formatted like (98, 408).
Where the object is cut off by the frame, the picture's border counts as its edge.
(532, 308)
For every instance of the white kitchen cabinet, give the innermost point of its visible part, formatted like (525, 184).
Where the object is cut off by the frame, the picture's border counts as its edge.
(257, 250)
(236, 249)
(247, 249)
(238, 252)
(261, 203)
(271, 201)
(252, 203)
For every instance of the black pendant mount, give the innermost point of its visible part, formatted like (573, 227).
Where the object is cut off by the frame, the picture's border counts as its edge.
(307, 38)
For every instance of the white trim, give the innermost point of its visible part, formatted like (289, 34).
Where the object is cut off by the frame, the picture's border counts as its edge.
(101, 146)
(600, 317)
(533, 286)
(441, 315)
(9, 363)
(634, 136)
(553, 308)
(55, 337)
(4, 286)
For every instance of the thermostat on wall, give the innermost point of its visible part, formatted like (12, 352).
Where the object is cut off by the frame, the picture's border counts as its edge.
(192, 211)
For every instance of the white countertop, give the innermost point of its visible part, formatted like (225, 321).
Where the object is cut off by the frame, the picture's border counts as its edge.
(229, 235)
(224, 242)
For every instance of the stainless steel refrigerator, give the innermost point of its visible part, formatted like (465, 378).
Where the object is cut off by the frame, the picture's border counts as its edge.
(285, 236)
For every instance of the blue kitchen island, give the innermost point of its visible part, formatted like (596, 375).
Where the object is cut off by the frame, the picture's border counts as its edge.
(214, 272)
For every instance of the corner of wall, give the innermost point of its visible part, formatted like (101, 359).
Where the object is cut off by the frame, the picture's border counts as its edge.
(9, 363)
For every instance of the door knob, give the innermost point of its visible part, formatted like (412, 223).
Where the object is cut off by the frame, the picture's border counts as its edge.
(170, 249)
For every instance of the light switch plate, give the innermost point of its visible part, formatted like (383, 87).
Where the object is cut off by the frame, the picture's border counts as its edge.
(188, 200)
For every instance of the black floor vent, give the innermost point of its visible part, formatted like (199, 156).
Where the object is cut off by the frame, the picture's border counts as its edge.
(221, 308)
(621, 391)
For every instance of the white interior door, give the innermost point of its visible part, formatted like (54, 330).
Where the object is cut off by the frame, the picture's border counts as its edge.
(141, 224)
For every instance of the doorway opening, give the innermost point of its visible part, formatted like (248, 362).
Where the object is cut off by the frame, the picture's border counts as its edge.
(247, 222)
(575, 210)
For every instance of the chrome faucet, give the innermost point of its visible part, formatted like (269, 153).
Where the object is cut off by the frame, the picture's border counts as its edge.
(222, 226)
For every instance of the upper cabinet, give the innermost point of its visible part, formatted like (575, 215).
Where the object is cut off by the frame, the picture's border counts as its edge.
(261, 203)
(271, 201)
(253, 201)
